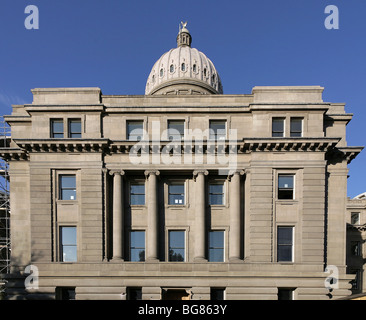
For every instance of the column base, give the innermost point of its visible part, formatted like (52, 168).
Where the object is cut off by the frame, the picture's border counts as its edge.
(235, 260)
(152, 260)
(117, 259)
(199, 259)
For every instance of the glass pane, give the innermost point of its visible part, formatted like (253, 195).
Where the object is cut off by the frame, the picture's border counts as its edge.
(284, 235)
(355, 218)
(135, 130)
(277, 127)
(69, 254)
(218, 130)
(296, 125)
(176, 188)
(58, 135)
(176, 254)
(68, 194)
(137, 239)
(216, 255)
(286, 181)
(137, 254)
(57, 126)
(75, 126)
(175, 130)
(68, 235)
(137, 199)
(68, 181)
(216, 188)
(176, 239)
(216, 239)
(284, 253)
(216, 199)
(137, 189)
(176, 199)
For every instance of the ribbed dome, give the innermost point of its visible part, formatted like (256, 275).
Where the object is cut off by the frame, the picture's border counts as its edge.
(183, 70)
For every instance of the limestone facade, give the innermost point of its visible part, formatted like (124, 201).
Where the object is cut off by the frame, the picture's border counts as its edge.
(280, 209)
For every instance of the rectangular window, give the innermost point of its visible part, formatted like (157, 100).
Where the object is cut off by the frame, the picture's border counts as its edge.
(175, 129)
(216, 193)
(296, 127)
(137, 246)
(67, 187)
(278, 127)
(74, 128)
(65, 293)
(217, 294)
(218, 130)
(134, 293)
(285, 244)
(135, 130)
(57, 128)
(285, 293)
(355, 218)
(176, 193)
(68, 249)
(176, 245)
(216, 246)
(285, 186)
(137, 194)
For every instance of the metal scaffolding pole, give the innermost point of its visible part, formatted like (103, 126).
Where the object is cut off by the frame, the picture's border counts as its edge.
(5, 243)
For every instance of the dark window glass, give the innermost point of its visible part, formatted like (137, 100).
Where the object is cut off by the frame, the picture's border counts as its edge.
(57, 128)
(176, 193)
(65, 293)
(296, 127)
(216, 246)
(74, 128)
(285, 186)
(176, 246)
(137, 194)
(67, 187)
(285, 294)
(137, 245)
(217, 293)
(218, 130)
(355, 218)
(216, 193)
(278, 125)
(175, 129)
(134, 294)
(135, 130)
(68, 244)
(284, 243)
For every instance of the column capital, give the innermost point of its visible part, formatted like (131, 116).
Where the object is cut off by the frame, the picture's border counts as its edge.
(117, 171)
(234, 172)
(199, 171)
(149, 172)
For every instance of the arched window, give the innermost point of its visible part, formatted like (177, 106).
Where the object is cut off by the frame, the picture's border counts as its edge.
(194, 68)
(205, 72)
(183, 66)
(161, 72)
(171, 68)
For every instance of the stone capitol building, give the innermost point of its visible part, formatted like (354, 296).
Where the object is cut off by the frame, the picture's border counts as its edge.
(182, 193)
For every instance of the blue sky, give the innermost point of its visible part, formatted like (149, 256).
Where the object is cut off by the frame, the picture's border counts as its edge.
(113, 44)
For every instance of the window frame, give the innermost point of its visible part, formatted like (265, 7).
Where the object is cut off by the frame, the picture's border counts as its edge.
(128, 132)
(213, 135)
(52, 128)
(293, 132)
(130, 249)
(283, 119)
(132, 183)
(169, 193)
(216, 182)
(281, 174)
(181, 134)
(292, 244)
(70, 132)
(169, 247)
(60, 175)
(62, 245)
(216, 248)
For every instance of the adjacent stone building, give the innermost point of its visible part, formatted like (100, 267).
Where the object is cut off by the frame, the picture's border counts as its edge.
(181, 193)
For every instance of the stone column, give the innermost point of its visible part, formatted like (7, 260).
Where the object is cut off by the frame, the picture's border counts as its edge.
(200, 215)
(152, 242)
(117, 214)
(235, 200)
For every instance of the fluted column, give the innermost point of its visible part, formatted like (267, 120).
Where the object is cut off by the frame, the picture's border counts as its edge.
(235, 225)
(117, 214)
(152, 213)
(200, 216)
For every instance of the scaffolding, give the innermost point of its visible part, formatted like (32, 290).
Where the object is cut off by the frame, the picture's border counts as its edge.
(5, 250)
